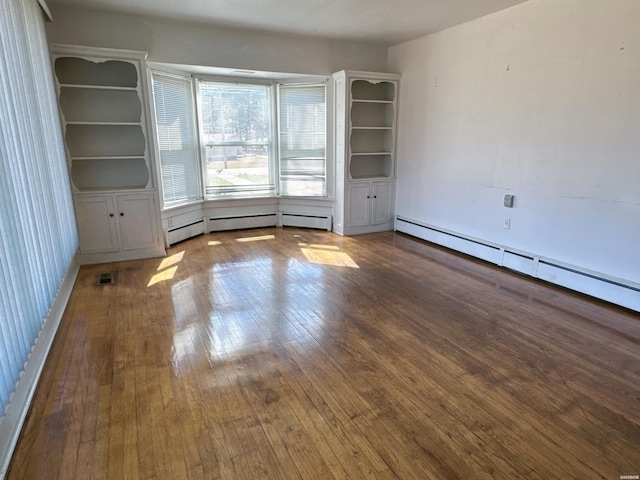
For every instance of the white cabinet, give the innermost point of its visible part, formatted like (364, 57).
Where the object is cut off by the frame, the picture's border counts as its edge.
(370, 204)
(382, 202)
(116, 224)
(96, 224)
(102, 95)
(137, 222)
(366, 112)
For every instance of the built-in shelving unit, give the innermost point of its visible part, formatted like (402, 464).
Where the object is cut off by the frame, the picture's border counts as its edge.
(372, 137)
(101, 106)
(366, 111)
(102, 96)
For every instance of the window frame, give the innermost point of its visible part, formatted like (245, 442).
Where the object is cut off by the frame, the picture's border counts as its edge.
(273, 81)
(272, 148)
(196, 141)
(326, 134)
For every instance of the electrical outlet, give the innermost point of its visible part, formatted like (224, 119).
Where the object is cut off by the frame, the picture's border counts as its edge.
(508, 201)
(507, 223)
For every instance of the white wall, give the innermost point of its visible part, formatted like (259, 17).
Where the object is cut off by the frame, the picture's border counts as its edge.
(541, 100)
(196, 44)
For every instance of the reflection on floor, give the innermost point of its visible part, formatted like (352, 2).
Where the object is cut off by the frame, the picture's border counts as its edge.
(292, 353)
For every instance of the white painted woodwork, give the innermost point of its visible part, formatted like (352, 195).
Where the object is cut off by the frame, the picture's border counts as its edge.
(382, 195)
(103, 100)
(365, 126)
(116, 222)
(370, 206)
(359, 194)
(137, 221)
(97, 224)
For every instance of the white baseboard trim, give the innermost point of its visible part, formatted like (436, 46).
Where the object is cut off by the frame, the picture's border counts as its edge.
(604, 287)
(16, 413)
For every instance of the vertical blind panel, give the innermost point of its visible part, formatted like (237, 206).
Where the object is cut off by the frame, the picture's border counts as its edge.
(173, 100)
(302, 137)
(38, 237)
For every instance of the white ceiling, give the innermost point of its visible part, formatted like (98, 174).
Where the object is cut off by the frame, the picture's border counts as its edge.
(380, 22)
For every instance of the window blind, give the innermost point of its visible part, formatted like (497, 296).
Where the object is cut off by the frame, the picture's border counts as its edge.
(38, 237)
(302, 139)
(179, 164)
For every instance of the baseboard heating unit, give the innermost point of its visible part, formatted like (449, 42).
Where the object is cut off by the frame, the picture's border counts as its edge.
(218, 224)
(618, 291)
(321, 222)
(178, 234)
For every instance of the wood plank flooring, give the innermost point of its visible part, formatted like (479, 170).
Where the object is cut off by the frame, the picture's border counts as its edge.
(300, 354)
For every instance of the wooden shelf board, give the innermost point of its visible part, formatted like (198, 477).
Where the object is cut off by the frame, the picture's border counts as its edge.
(97, 87)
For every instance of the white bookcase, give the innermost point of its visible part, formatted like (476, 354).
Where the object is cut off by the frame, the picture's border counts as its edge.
(102, 96)
(366, 113)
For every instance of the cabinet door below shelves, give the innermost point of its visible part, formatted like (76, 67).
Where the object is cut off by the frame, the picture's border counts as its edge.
(138, 226)
(97, 224)
(359, 200)
(382, 193)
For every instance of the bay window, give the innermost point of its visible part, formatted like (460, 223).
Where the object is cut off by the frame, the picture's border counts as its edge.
(252, 139)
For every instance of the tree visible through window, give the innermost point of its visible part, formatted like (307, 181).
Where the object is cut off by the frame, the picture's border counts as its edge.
(236, 129)
(255, 139)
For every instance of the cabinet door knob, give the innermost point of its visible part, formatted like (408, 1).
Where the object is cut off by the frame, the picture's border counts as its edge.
(368, 196)
(375, 196)
(121, 214)
(111, 214)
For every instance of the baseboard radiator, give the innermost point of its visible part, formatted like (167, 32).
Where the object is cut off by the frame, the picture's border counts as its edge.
(218, 224)
(321, 222)
(595, 284)
(178, 234)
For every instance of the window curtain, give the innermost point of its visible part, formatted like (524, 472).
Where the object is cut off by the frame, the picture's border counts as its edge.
(38, 236)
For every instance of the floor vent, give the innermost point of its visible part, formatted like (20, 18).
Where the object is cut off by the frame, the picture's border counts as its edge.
(105, 279)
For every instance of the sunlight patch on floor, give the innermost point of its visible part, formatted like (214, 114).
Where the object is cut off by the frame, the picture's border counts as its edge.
(171, 260)
(255, 239)
(322, 247)
(163, 276)
(329, 257)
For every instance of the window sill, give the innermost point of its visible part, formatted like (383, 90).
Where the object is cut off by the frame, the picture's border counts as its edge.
(178, 206)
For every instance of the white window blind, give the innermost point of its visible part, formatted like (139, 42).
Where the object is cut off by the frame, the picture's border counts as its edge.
(302, 139)
(38, 236)
(177, 141)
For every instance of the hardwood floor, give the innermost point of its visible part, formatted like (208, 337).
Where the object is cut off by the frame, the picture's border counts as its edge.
(291, 353)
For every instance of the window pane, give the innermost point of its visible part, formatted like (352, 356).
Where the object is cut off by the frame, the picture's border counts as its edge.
(302, 127)
(179, 164)
(236, 129)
